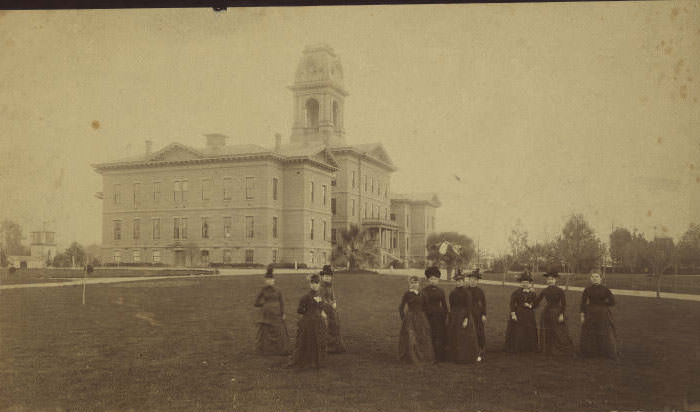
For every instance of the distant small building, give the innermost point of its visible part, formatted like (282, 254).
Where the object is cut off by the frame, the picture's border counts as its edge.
(42, 249)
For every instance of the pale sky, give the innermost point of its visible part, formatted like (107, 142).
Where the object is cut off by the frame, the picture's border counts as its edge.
(543, 110)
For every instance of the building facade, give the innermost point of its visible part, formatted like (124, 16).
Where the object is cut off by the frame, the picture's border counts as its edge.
(248, 204)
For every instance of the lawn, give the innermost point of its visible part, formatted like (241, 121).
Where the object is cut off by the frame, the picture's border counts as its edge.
(634, 281)
(187, 344)
(66, 274)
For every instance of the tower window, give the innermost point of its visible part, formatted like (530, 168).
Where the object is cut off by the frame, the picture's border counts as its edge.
(335, 115)
(311, 113)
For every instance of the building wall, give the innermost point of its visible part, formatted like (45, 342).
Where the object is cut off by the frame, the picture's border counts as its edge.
(207, 197)
(376, 197)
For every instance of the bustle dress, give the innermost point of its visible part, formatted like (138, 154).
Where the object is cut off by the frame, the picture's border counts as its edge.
(554, 335)
(310, 345)
(272, 337)
(415, 341)
(521, 335)
(462, 345)
(335, 342)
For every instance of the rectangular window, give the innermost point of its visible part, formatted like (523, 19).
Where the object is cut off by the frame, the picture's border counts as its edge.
(393, 217)
(117, 229)
(249, 227)
(227, 256)
(156, 228)
(49, 237)
(333, 206)
(180, 191)
(206, 188)
(179, 228)
(312, 229)
(274, 255)
(156, 192)
(274, 188)
(386, 191)
(274, 227)
(311, 188)
(117, 256)
(227, 227)
(156, 256)
(365, 210)
(432, 222)
(371, 181)
(333, 235)
(249, 256)
(333, 183)
(353, 207)
(137, 193)
(311, 256)
(228, 188)
(137, 229)
(36, 237)
(205, 228)
(117, 194)
(323, 194)
(379, 185)
(204, 257)
(386, 213)
(365, 183)
(249, 187)
(353, 179)
(324, 230)
(137, 256)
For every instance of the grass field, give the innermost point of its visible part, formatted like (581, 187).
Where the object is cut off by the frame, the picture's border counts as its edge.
(635, 281)
(65, 274)
(187, 344)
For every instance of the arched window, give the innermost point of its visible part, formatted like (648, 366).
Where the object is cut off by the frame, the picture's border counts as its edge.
(311, 113)
(336, 120)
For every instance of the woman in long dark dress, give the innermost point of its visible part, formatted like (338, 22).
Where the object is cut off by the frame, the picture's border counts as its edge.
(436, 312)
(415, 343)
(478, 311)
(554, 334)
(597, 327)
(310, 345)
(335, 341)
(272, 337)
(462, 346)
(521, 332)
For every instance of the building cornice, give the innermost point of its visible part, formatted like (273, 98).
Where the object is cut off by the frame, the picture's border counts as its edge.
(363, 155)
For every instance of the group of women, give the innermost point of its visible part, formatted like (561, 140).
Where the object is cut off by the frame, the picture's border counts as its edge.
(318, 331)
(432, 331)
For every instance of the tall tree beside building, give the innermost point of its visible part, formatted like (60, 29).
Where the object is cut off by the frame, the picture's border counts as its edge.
(11, 241)
(579, 246)
(619, 239)
(661, 254)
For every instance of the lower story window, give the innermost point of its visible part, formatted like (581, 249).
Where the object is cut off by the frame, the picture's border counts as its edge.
(156, 256)
(137, 256)
(227, 256)
(274, 255)
(116, 256)
(204, 257)
(249, 256)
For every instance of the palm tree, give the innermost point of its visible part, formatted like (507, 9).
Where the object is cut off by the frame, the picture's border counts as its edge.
(356, 247)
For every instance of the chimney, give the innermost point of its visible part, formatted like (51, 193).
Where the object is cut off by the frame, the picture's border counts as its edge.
(215, 141)
(278, 141)
(149, 146)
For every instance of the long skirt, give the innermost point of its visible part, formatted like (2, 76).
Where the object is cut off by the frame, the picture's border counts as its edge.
(480, 334)
(415, 342)
(310, 345)
(335, 342)
(598, 333)
(521, 335)
(438, 334)
(272, 338)
(554, 335)
(462, 345)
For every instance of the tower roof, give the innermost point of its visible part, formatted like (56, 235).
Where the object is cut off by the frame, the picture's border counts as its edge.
(319, 66)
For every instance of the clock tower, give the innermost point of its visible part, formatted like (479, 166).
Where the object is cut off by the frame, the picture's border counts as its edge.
(319, 98)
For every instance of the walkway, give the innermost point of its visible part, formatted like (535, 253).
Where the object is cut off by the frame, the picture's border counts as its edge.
(258, 272)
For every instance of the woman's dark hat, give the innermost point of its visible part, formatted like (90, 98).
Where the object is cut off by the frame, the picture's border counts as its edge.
(475, 274)
(458, 275)
(432, 272)
(314, 278)
(269, 271)
(327, 270)
(524, 277)
(551, 275)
